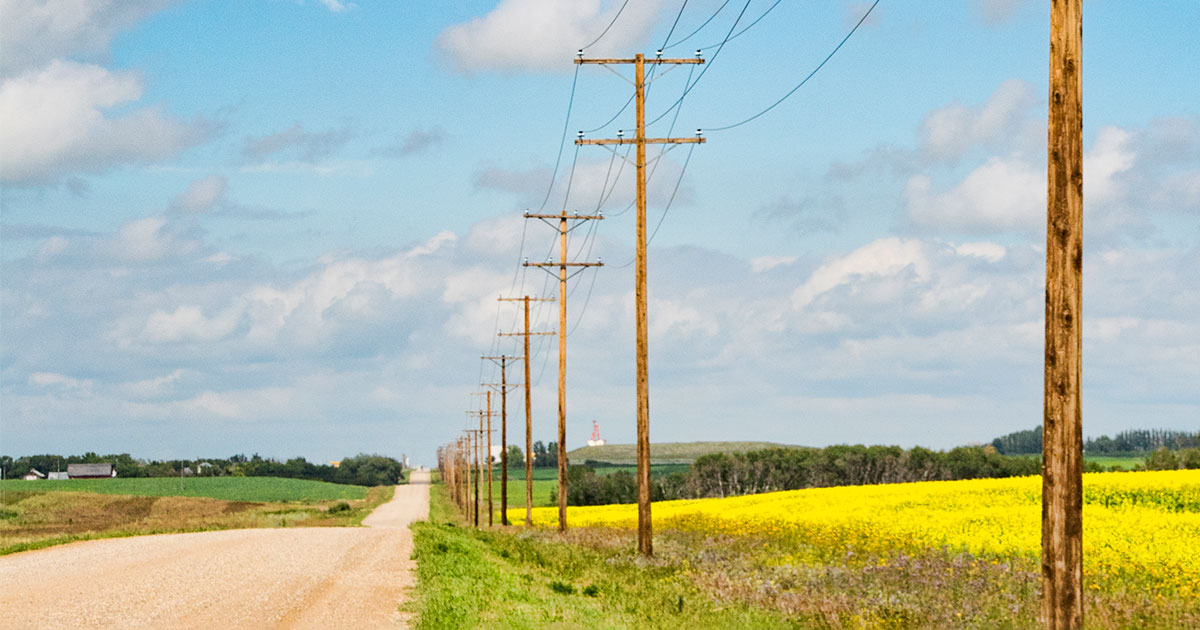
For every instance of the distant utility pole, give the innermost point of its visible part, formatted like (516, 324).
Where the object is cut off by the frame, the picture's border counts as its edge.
(562, 265)
(502, 361)
(645, 529)
(528, 403)
(1062, 422)
(488, 455)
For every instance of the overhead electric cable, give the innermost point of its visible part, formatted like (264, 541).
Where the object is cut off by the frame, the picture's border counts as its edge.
(810, 74)
(748, 26)
(563, 141)
(667, 46)
(707, 65)
(610, 25)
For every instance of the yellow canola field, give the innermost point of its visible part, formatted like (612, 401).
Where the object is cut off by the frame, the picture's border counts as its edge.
(1139, 527)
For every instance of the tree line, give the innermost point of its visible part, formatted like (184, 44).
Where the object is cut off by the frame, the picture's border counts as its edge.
(362, 469)
(775, 469)
(1130, 442)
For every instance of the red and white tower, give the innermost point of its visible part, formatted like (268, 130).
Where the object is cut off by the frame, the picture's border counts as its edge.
(596, 440)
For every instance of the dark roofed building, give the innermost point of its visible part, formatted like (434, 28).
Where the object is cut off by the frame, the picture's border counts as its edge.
(91, 471)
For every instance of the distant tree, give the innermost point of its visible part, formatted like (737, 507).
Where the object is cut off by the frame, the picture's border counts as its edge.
(516, 457)
(1027, 442)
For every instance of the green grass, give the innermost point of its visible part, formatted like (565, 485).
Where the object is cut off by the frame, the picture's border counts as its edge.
(664, 453)
(590, 578)
(514, 578)
(36, 518)
(272, 489)
(1128, 463)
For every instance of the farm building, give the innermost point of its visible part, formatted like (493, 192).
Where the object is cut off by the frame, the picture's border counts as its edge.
(33, 475)
(58, 475)
(91, 471)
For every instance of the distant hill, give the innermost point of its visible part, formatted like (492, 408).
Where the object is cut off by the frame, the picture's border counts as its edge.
(664, 453)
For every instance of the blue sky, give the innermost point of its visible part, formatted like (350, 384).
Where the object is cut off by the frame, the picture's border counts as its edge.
(280, 226)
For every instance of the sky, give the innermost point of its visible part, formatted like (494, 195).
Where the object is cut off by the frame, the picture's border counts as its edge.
(281, 226)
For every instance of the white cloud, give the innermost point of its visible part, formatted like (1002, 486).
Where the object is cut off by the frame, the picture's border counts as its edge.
(202, 195)
(33, 32)
(537, 35)
(949, 132)
(1003, 194)
(65, 130)
(188, 323)
(766, 263)
(991, 252)
(884, 257)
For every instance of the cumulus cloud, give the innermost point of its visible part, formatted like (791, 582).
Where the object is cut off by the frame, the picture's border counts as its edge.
(1001, 195)
(35, 32)
(539, 35)
(949, 132)
(65, 128)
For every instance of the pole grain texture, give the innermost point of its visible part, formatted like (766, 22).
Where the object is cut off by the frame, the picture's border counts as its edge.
(1062, 450)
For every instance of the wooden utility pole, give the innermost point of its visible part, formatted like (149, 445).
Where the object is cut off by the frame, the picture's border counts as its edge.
(488, 456)
(503, 386)
(1062, 422)
(528, 404)
(645, 529)
(562, 264)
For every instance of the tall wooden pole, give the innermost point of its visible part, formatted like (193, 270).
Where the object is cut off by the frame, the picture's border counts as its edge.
(1062, 437)
(562, 265)
(504, 441)
(645, 528)
(478, 437)
(528, 427)
(562, 378)
(528, 402)
(488, 456)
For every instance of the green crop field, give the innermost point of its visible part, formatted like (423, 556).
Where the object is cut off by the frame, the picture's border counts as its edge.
(664, 453)
(1127, 463)
(270, 489)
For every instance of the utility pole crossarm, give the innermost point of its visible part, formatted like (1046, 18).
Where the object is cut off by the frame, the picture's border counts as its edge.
(564, 215)
(535, 334)
(581, 60)
(564, 264)
(696, 140)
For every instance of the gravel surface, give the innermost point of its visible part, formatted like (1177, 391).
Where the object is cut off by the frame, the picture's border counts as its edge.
(317, 577)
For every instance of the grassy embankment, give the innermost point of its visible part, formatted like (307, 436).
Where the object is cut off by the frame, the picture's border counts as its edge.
(514, 578)
(37, 514)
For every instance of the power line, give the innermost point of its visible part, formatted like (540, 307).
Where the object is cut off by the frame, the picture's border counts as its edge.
(610, 25)
(688, 89)
(563, 141)
(698, 29)
(748, 27)
(810, 74)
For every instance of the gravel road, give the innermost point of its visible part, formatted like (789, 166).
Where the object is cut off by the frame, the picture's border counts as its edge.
(316, 577)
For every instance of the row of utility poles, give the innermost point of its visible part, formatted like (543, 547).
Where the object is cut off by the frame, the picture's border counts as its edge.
(1062, 461)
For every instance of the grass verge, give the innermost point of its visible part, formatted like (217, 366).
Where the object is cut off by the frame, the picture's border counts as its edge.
(516, 578)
